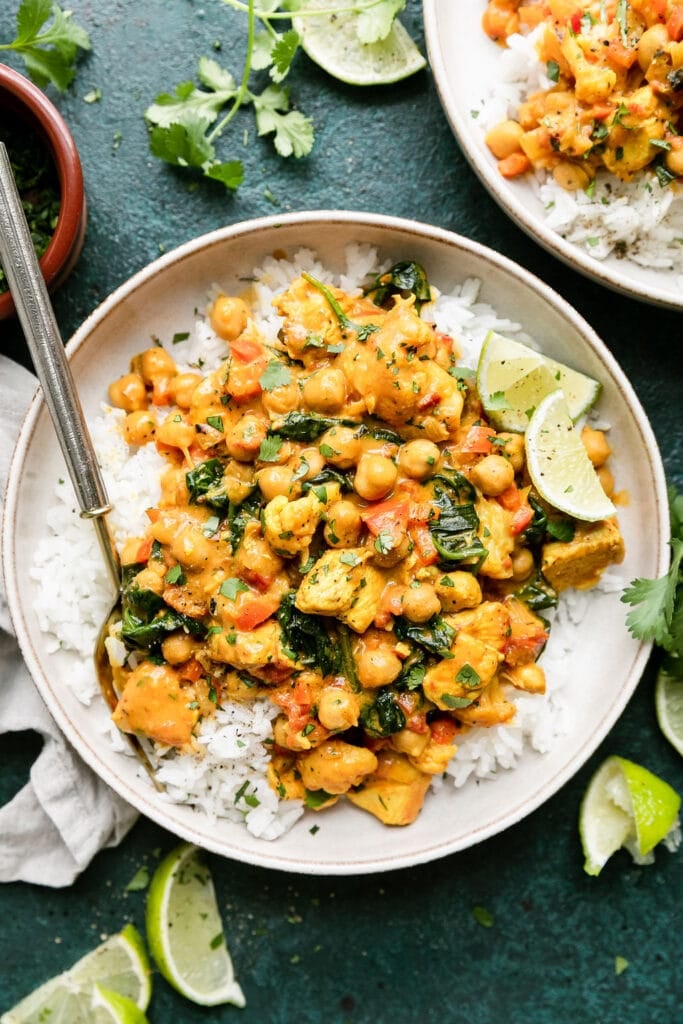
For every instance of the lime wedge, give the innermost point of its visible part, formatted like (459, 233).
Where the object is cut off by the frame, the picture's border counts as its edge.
(512, 379)
(669, 708)
(111, 1008)
(185, 931)
(331, 41)
(119, 965)
(559, 466)
(627, 806)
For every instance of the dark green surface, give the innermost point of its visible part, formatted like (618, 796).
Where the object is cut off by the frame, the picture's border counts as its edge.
(402, 947)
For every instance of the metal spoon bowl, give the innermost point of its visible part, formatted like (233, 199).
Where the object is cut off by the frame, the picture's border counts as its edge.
(46, 348)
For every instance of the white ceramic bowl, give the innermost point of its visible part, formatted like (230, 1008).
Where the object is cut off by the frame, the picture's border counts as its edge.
(465, 63)
(159, 300)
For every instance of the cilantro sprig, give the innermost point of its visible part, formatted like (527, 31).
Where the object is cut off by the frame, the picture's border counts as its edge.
(185, 124)
(657, 604)
(48, 41)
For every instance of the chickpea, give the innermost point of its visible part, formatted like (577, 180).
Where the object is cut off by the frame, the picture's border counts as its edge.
(411, 743)
(597, 448)
(388, 559)
(243, 440)
(504, 139)
(377, 666)
(493, 474)
(182, 388)
(571, 177)
(228, 317)
(530, 677)
(653, 39)
(139, 427)
(457, 591)
(674, 158)
(177, 648)
(275, 480)
(190, 547)
(128, 392)
(176, 432)
(155, 364)
(338, 708)
(281, 400)
(343, 525)
(340, 447)
(325, 390)
(420, 603)
(312, 458)
(513, 449)
(418, 459)
(375, 477)
(522, 564)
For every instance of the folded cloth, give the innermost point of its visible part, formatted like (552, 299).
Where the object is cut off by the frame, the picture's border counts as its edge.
(52, 828)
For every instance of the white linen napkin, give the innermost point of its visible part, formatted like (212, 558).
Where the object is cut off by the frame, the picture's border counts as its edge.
(52, 828)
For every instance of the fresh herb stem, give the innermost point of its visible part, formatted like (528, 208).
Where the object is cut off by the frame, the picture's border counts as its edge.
(243, 90)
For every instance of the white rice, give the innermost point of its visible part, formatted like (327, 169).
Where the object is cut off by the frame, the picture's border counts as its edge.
(640, 221)
(72, 597)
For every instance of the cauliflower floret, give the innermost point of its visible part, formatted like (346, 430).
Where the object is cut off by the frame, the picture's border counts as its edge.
(289, 525)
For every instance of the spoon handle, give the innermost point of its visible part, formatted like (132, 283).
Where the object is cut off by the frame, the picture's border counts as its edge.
(45, 345)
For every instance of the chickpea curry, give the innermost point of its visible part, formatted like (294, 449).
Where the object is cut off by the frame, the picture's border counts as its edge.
(615, 102)
(339, 529)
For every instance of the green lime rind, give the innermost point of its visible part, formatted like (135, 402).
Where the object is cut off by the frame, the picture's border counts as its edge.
(110, 1007)
(669, 708)
(332, 42)
(185, 932)
(559, 466)
(512, 379)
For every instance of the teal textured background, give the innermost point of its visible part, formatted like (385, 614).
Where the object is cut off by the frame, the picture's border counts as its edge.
(401, 947)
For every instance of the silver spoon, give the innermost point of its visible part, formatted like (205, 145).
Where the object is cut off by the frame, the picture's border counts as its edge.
(46, 347)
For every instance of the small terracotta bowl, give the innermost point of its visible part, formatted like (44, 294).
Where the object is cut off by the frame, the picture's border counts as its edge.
(24, 101)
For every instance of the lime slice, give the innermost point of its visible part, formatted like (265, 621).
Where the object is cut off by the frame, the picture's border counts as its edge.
(119, 965)
(185, 931)
(669, 708)
(331, 41)
(559, 466)
(627, 806)
(512, 379)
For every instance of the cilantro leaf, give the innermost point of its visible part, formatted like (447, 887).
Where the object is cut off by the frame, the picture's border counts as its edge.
(49, 49)
(283, 53)
(275, 375)
(230, 174)
(182, 145)
(653, 603)
(374, 24)
(293, 130)
(188, 106)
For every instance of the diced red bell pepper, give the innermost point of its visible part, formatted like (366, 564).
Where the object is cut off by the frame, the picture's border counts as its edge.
(674, 25)
(424, 545)
(246, 350)
(521, 519)
(251, 609)
(478, 440)
(190, 670)
(388, 518)
(144, 551)
(443, 730)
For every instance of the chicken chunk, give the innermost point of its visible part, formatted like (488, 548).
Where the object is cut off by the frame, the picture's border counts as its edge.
(394, 792)
(335, 766)
(342, 584)
(580, 562)
(495, 535)
(259, 652)
(458, 680)
(155, 704)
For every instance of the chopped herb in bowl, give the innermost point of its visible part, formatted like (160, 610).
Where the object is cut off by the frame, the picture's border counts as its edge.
(38, 184)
